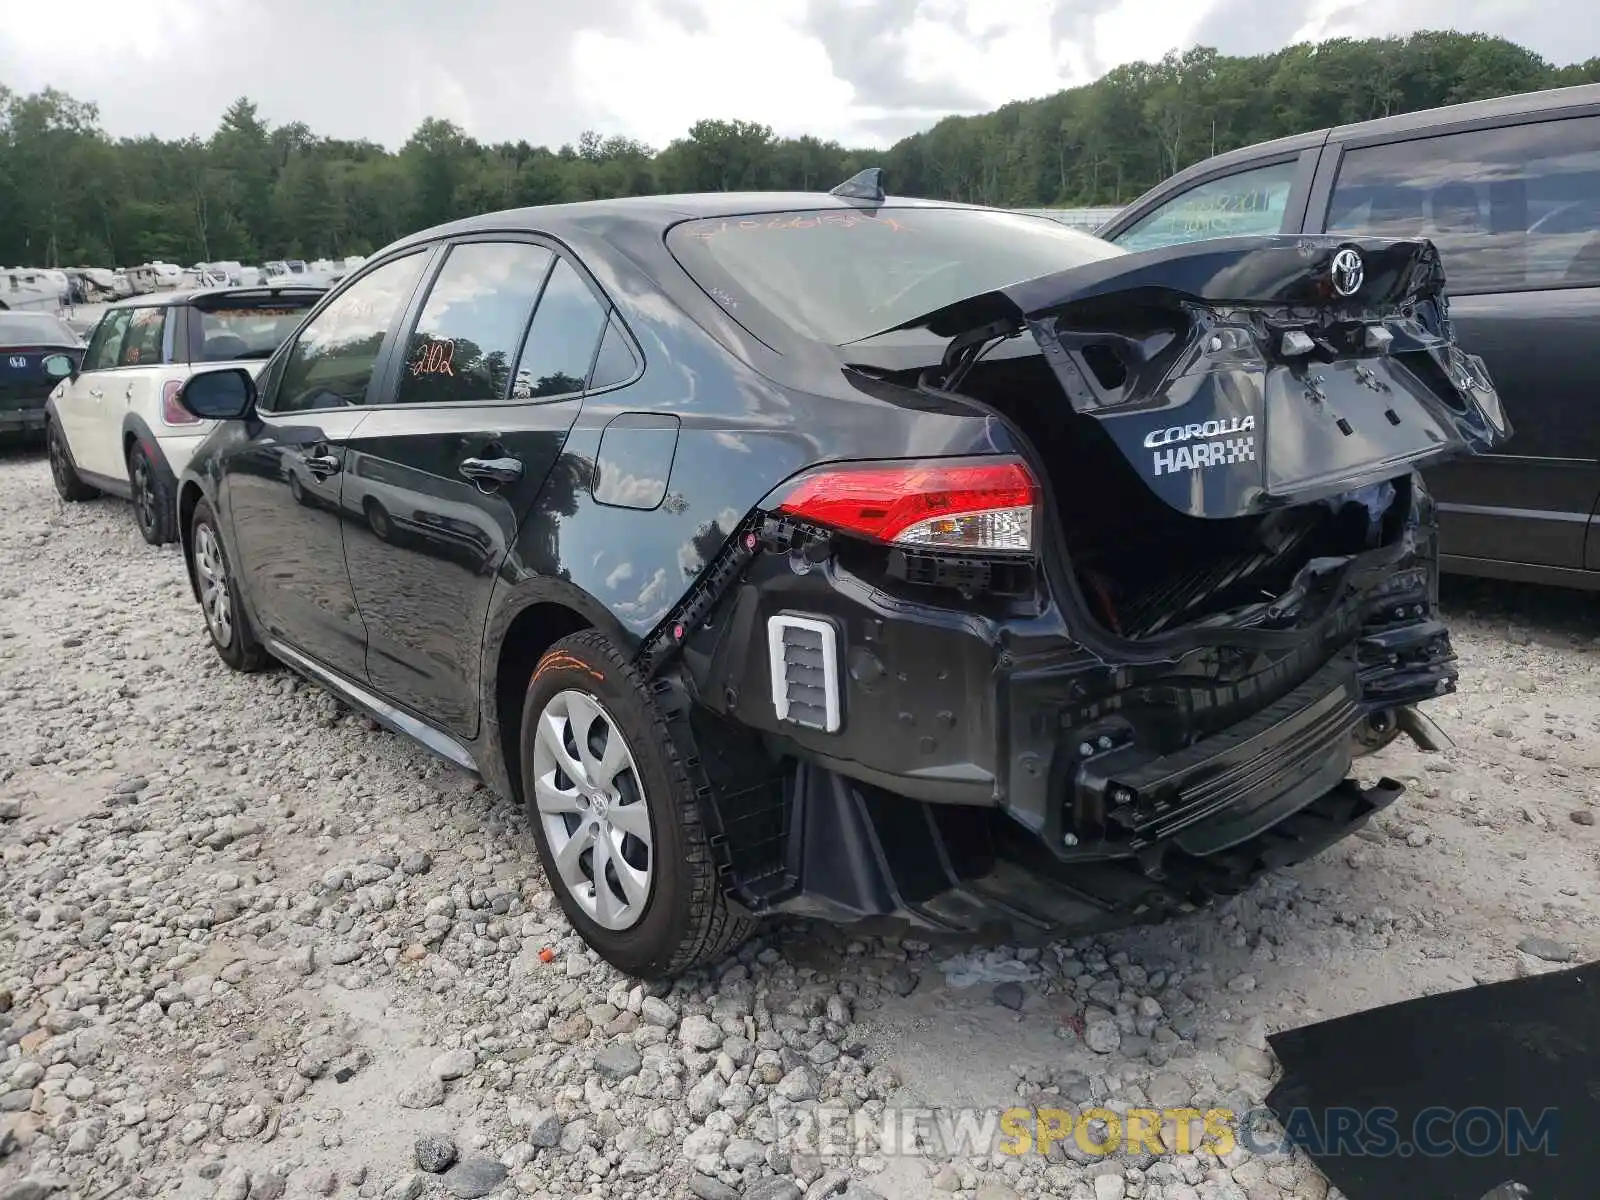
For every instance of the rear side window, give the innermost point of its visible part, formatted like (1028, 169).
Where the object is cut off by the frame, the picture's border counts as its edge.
(472, 323)
(1510, 209)
(141, 345)
(1250, 203)
(106, 344)
(331, 362)
(616, 362)
(561, 344)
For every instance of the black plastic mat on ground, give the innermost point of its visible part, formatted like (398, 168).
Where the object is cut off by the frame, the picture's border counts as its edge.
(1453, 1096)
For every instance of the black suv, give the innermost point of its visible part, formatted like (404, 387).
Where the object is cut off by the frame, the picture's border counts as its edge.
(834, 555)
(1509, 190)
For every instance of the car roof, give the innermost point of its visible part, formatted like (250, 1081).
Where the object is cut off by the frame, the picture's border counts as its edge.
(1551, 100)
(658, 212)
(190, 295)
(1548, 100)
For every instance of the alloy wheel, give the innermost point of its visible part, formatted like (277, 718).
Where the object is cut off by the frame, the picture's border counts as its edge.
(592, 808)
(215, 599)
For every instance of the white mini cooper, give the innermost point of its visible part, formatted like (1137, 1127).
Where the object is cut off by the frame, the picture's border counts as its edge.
(114, 425)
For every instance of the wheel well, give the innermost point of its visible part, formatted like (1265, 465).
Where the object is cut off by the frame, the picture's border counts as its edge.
(187, 499)
(533, 631)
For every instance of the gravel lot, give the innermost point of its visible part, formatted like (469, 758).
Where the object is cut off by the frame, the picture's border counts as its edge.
(251, 946)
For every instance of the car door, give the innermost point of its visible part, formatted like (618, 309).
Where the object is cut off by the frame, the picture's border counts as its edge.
(283, 481)
(79, 405)
(145, 350)
(1260, 196)
(1515, 212)
(480, 406)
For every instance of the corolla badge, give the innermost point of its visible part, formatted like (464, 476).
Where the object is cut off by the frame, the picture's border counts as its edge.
(1349, 272)
(1200, 429)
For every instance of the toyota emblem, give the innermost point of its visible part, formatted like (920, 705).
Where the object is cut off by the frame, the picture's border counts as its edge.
(1349, 272)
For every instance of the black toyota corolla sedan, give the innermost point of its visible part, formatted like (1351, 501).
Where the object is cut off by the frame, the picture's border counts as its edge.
(857, 557)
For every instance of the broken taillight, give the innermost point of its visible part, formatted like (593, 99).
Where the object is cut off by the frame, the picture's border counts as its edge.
(936, 504)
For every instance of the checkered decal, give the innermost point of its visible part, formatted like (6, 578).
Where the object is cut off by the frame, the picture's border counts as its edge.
(1239, 450)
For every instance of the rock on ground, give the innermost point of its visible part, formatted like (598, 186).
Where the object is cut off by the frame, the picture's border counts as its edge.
(252, 946)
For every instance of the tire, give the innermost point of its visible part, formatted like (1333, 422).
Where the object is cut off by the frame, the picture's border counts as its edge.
(378, 520)
(229, 626)
(63, 470)
(679, 917)
(154, 509)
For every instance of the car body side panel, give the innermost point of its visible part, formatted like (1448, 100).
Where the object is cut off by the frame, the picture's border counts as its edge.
(285, 524)
(624, 569)
(423, 544)
(1530, 501)
(1523, 511)
(737, 440)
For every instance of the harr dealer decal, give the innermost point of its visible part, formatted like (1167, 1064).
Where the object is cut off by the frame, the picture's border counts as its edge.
(1203, 444)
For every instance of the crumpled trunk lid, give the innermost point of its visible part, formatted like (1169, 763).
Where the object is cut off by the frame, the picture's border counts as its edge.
(1245, 374)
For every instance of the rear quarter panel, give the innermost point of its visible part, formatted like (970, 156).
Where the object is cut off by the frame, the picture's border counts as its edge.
(740, 434)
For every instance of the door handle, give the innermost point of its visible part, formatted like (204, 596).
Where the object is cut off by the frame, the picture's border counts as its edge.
(492, 470)
(321, 465)
(96, 393)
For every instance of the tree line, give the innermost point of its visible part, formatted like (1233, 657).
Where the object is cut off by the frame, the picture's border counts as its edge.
(71, 195)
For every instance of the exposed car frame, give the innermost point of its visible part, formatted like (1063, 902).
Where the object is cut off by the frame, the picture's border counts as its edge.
(1528, 511)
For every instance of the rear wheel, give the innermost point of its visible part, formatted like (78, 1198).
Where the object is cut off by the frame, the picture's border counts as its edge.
(226, 620)
(62, 471)
(153, 506)
(616, 817)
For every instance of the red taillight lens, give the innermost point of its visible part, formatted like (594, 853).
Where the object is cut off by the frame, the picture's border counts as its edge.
(934, 505)
(173, 413)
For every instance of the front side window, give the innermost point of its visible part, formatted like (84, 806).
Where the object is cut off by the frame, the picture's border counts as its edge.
(331, 362)
(561, 343)
(141, 345)
(1510, 209)
(467, 335)
(1250, 203)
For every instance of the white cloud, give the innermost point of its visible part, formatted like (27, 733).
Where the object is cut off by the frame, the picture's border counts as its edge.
(861, 71)
(747, 60)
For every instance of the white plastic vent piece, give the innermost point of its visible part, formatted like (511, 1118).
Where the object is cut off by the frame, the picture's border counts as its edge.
(804, 652)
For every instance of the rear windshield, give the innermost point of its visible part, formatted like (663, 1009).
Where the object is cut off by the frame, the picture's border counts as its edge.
(840, 275)
(34, 329)
(247, 331)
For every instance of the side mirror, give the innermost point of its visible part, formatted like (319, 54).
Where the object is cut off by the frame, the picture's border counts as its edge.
(59, 366)
(222, 395)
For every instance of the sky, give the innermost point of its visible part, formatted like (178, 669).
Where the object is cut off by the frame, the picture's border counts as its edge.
(864, 72)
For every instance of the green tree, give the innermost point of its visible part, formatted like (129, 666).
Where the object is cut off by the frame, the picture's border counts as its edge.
(71, 195)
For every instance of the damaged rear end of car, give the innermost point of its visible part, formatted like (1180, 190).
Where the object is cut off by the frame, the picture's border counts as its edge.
(1123, 660)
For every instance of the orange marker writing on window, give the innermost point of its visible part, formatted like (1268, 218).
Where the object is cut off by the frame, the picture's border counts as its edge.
(435, 359)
